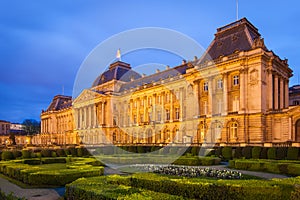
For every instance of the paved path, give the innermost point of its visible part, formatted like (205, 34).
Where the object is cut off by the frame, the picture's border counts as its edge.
(30, 194)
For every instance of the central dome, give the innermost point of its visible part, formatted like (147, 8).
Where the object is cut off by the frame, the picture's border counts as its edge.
(117, 71)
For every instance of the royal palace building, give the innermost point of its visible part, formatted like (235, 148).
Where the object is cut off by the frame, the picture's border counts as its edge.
(236, 94)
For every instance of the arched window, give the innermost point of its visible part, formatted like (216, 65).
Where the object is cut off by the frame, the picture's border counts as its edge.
(233, 130)
(114, 137)
(297, 131)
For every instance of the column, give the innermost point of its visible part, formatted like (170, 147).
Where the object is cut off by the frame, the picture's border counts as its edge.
(281, 105)
(181, 103)
(210, 99)
(95, 115)
(242, 90)
(196, 95)
(276, 92)
(290, 128)
(270, 90)
(154, 107)
(163, 106)
(286, 94)
(225, 94)
(171, 106)
(102, 113)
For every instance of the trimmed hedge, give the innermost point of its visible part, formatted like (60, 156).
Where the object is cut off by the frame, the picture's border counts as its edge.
(26, 153)
(227, 153)
(292, 153)
(191, 188)
(7, 155)
(256, 152)
(56, 176)
(272, 153)
(273, 166)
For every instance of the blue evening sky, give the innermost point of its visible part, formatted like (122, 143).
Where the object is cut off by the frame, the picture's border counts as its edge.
(43, 43)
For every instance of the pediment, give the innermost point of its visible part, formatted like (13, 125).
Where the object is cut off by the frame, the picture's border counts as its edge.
(87, 95)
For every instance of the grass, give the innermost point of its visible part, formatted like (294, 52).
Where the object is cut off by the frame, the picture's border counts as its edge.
(48, 175)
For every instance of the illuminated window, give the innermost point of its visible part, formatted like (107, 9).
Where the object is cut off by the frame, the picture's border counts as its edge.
(167, 114)
(177, 113)
(219, 84)
(205, 86)
(233, 130)
(235, 80)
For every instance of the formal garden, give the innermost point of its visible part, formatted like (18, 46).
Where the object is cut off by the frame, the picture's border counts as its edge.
(156, 173)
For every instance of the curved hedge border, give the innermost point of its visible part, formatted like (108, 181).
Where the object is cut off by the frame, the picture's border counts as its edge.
(195, 188)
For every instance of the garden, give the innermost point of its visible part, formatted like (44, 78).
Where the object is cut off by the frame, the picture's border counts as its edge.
(162, 174)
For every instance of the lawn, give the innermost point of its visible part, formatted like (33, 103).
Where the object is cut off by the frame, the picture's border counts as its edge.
(54, 174)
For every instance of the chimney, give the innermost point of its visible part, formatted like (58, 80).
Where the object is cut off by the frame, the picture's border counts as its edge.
(183, 62)
(167, 67)
(157, 70)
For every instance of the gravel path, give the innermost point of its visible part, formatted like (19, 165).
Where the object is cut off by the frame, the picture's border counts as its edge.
(30, 194)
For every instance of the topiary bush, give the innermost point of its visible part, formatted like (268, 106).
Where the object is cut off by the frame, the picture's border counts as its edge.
(140, 149)
(256, 152)
(195, 151)
(292, 153)
(264, 153)
(272, 153)
(247, 152)
(26, 153)
(218, 151)
(73, 151)
(227, 153)
(60, 152)
(7, 155)
(17, 154)
(281, 153)
(238, 153)
(46, 153)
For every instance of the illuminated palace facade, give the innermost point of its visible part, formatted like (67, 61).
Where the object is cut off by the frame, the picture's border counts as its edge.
(236, 94)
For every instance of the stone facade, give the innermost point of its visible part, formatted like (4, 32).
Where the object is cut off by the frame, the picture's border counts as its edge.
(236, 94)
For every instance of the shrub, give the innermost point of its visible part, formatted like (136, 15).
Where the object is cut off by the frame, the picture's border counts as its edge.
(195, 151)
(38, 155)
(281, 153)
(190, 161)
(227, 153)
(293, 169)
(32, 161)
(218, 151)
(72, 151)
(264, 153)
(60, 152)
(272, 153)
(46, 153)
(17, 153)
(292, 153)
(7, 155)
(256, 152)
(53, 160)
(67, 152)
(238, 153)
(26, 153)
(247, 152)
(140, 149)
(79, 152)
(53, 154)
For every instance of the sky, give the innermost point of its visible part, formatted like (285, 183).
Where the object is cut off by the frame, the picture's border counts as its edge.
(44, 43)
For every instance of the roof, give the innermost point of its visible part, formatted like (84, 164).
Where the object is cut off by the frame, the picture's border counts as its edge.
(172, 72)
(60, 102)
(3, 121)
(117, 71)
(295, 89)
(237, 36)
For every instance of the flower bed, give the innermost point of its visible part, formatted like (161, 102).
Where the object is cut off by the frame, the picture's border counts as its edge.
(188, 171)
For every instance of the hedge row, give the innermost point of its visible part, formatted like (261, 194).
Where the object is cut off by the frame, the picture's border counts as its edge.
(197, 161)
(289, 168)
(102, 188)
(35, 175)
(278, 153)
(25, 154)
